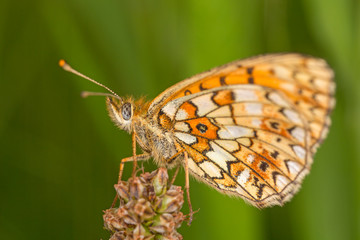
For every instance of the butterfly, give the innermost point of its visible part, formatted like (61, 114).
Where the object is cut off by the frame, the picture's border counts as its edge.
(249, 128)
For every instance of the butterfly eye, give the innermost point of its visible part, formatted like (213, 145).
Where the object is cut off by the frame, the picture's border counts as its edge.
(126, 111)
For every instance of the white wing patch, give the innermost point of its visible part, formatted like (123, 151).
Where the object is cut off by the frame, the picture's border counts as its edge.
(195, 168)
(294, 167)
(181, 126)
(244, 177)
(292, 116)
(204, 104)
(250, 158)
(170, 109)
(288, 87)
(278, 100)
(219, 156)
(299, 151)
(281, 181)
(283, 72)
(181, 115)
(223, 111)
(242, 95)
(186, 138)
(256, 122)
(228, 145)
(211, 169)
(254, 108)
(298, 133)
(232, 132)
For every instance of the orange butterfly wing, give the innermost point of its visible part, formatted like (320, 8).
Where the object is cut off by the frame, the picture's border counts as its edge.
(251, 127)
(306, 81)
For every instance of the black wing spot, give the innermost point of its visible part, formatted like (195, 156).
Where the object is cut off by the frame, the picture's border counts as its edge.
(291, 129)
(259, 186)
(282, 111)
(187, 92)
(202, 127)
(222, 81)
(255, 134)
(286, 164)
(213, 98)
(274, 174)
(202, 87)
(250, 70)
(274, 125)
(263, 166)
(267, 96)
(275, 154)
(232, 97)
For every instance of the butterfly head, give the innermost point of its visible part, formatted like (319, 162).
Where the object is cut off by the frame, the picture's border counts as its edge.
(121, 112)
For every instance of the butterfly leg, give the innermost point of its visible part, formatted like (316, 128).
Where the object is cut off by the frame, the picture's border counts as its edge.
(187, 187)
(134, 153)
(174, 177)
(140, 157)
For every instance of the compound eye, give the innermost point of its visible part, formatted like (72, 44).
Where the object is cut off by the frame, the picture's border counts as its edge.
(126, 111)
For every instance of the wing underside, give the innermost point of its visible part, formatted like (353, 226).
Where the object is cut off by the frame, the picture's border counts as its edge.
(251, 127)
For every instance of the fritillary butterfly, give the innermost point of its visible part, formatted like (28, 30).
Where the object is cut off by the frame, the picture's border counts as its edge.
(249, 128)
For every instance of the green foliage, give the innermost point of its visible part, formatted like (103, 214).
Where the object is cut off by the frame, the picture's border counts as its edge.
(59, 153)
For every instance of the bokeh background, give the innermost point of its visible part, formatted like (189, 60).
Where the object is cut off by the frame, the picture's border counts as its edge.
(60, 153)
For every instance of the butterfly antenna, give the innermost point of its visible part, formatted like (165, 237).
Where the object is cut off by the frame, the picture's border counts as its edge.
(67, 67)
(86, 94)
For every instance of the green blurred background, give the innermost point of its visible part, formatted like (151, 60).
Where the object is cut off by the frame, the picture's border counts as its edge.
(60, 153)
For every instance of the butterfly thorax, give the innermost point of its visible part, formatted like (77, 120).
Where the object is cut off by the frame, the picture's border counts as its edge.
(153, 138)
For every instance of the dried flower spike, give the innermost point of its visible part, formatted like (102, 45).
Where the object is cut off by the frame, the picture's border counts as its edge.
(149, 208)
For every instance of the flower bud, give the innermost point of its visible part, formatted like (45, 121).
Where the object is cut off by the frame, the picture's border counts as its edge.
(172, 200)
(136, 188)
(160, 181)
(143, 209)
(148, 208)
(122, 191)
